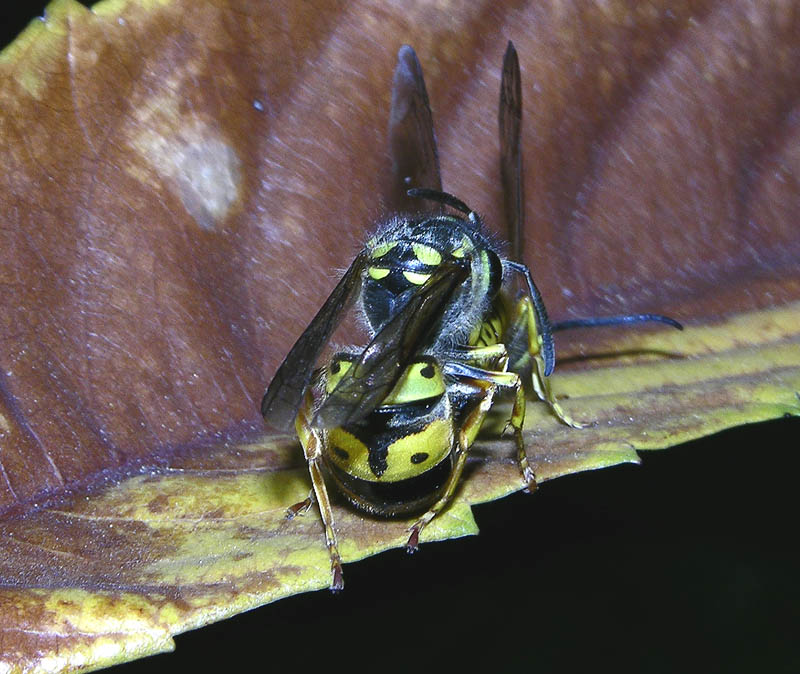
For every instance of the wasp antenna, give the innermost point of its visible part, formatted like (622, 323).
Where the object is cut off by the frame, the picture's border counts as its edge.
(614, 320)
(441, 197)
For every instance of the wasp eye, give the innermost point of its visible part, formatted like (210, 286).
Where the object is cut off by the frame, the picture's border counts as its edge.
(335, 367)
(343, 455)
(427, 371)
(419, 457)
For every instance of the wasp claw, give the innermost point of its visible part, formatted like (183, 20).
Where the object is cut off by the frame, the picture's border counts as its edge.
(530, 481)
(413, 541)
(337, 581)
(298, 509)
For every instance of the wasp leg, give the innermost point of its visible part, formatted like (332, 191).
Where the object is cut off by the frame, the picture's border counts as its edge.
(466, 434)
(541, 384)
(300, 508)
(492, 357)
(312, 442)
(509, 381)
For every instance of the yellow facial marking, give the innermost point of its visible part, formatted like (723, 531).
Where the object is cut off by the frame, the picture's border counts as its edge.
(378, 273)
(416, 278)
(381, 249)
(465, 247)
(419, 381)
(426, 254)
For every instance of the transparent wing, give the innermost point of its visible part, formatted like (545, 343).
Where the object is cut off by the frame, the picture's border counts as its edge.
(510, 121)
(415, 160)
(285, 391)
(367, 383)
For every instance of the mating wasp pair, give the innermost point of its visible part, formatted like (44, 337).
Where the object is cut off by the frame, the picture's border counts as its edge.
(390, 425)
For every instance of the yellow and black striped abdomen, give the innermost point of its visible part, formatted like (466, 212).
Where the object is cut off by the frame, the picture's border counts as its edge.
(492, 328)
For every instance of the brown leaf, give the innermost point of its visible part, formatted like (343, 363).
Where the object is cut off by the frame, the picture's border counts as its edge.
(167, 165)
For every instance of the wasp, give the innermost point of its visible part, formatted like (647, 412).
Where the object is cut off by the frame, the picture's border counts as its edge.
(390, 425)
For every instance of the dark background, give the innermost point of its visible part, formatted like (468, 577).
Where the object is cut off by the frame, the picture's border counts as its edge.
(686, 563)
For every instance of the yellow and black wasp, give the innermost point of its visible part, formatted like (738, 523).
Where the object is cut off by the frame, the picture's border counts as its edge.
(390, 425)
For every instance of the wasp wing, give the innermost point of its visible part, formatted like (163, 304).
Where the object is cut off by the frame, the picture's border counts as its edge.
(510, 118)
(510, 121)
(370, 380)
(415, 160)
(285, 391)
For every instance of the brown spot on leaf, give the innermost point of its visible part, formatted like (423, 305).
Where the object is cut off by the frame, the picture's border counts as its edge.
(158, 504)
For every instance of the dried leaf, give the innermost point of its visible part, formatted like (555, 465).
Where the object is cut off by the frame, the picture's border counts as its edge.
(181, 181)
